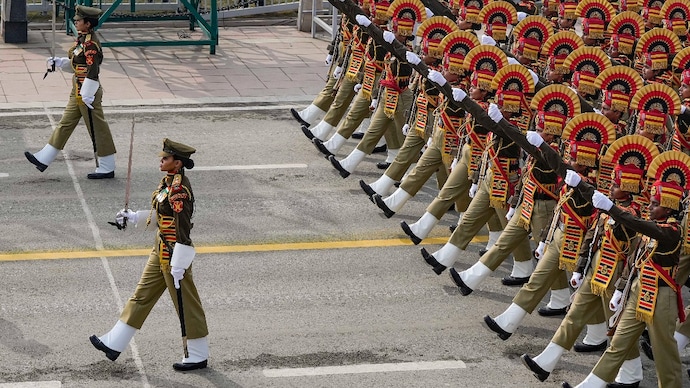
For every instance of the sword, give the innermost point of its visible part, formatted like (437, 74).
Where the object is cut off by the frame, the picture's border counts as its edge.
(128, 184)
(93, 135)
(52, 49)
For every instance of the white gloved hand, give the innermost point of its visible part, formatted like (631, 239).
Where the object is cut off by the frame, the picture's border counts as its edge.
(535, 77)
(374, 104)
(177, 274)
(130, 215)
(510, 213)
(329, 59)
(682, 109)
(412, 58)
(406, 129)
(513, 61)
(601, 201)
(436, 77)
(616, 301)
(486, 39)
(88, 91)
(337, 72)
(453, 164)
(572, 178)
(429, 13)
(534, 138)
(357, 88)
(473, 190)
(576, 280)
(539, 252)
(388, 36)
(521, 16)
(58, 61)
(495, 113)
(363, 20)
(459, 94)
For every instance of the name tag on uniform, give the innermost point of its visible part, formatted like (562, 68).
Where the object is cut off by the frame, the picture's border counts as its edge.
(77, 51)
(162, 195)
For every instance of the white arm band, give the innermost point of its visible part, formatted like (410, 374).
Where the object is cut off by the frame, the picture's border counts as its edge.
(182, 256)
(89, 87)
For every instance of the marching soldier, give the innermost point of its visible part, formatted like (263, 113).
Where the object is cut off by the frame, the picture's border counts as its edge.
(84, 59)
(366, 99)
(586, 134)
(346, 76)
(618, 84)
(483, 61)
(389, 117)
(449, 125)
(651, 296)
(339, 46)
(500, 172)
(654, 51)
(606, 249)
(555, 50)
(555, 105)
(421, 119)
(595, 16)
(625, 29)
(586, 63)
(169, 266)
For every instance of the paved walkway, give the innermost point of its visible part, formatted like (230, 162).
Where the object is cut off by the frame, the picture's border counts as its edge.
(252, 63)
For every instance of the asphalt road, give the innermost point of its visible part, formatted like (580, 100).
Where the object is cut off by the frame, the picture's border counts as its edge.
(279, 291)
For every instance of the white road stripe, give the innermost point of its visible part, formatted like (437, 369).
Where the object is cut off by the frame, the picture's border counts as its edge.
(4, 175)
(364, 368)
(249, 167)
(32, 384)
(104, 261)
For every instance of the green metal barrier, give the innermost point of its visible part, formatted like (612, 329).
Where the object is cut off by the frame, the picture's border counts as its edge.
(192, 14)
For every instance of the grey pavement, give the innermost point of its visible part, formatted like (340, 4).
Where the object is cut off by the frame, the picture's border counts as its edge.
(253, 63)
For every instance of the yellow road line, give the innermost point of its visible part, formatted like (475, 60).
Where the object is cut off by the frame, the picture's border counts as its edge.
(54, 255)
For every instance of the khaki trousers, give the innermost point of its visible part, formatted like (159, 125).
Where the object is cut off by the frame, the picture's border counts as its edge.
(667, 360)
(382, 125)
(515, 234)
(73, 113)
(586, 308)
(479, 213)
(325, 98)
(546, 276)
(152, 284)
(341, 102)
(408, 154)
(454, 190)
(359, 110)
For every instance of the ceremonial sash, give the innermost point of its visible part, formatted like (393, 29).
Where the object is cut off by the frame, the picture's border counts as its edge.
(532, 186)
(668, 279)
(370, 72)
(355, 64)
(680, 141)
(477, 146)
(451, 136)
(610, 253)
(166, 228)
(574, 228)
(422, 114)
(391, 97)
(500, 188)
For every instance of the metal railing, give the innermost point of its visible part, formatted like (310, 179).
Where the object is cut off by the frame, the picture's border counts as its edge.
(225, 8)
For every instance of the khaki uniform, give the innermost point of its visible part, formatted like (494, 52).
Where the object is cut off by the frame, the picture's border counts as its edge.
(423, 123)
(350, 77)
(389, 117)
(86, 56)
(173, 206)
